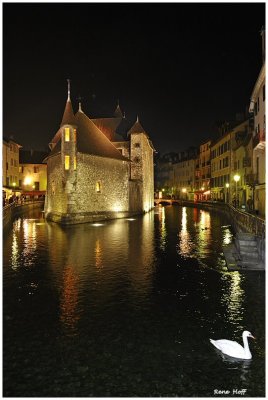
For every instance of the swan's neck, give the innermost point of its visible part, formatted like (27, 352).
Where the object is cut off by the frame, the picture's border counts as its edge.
(246, 346)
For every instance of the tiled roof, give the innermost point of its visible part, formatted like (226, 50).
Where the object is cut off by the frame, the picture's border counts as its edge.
(68, 115)
(32, 156)
(136, 128)
(91, 140)
(108, 126)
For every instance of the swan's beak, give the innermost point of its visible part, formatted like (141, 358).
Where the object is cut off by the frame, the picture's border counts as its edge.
(252, 336)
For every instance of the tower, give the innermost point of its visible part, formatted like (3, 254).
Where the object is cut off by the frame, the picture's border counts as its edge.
(69, 151)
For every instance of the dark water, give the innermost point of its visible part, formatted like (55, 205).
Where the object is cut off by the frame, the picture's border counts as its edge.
(126, 308)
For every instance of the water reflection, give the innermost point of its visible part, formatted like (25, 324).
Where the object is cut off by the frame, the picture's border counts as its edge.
(233, 298)
(162, 227)
(98, 254)
(204, 236)
(68, 307)
(185, 243)
(97, 259)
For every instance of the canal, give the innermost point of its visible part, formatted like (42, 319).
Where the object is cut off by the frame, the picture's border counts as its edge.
(126, 308)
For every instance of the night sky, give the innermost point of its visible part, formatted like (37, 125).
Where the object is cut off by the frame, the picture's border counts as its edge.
(180, 67)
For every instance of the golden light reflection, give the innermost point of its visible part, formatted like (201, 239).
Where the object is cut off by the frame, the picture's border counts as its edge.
(162, 227)
(69, 300)
(98, 254)
(184, 244)
(14, 253)
(29, 241)
(233, 298)
(204, 232)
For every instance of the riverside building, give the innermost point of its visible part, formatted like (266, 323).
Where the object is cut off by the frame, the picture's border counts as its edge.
(93, 173)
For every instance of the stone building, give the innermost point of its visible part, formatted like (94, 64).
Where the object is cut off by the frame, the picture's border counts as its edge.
(93, 173)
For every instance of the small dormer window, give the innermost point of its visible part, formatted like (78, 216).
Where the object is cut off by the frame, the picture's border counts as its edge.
(136, 159)
(137, 145)
(67, 134)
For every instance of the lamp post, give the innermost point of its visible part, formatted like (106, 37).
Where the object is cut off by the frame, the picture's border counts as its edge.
(227, 185)
(236, 179)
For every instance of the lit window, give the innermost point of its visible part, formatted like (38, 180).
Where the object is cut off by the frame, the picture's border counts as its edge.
(67, 162)
(67, 135)
(98, 187)
(74, 135)
(74, 162)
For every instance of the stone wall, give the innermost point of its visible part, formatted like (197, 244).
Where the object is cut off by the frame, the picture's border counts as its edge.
(56, 199)
(142, 167)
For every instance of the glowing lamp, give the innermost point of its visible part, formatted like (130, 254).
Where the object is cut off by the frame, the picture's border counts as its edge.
(227, 185)
(27, 180)
(237, 178)
(183, 190)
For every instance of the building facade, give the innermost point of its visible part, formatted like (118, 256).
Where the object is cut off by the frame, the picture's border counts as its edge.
(10, 167)
(32, 172)
(94, 174)
(257, 107)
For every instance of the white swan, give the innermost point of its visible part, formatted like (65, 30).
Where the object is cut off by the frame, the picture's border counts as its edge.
(234, 349)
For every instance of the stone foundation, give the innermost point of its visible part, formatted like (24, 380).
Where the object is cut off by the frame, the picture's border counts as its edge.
(81, 218)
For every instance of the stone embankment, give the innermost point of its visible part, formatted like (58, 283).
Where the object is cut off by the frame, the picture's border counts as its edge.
(12, 210)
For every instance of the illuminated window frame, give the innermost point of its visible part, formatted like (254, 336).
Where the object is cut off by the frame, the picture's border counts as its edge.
(75, 134)
(74, 163)
(66, 163)
(98, 187)
(67, 134)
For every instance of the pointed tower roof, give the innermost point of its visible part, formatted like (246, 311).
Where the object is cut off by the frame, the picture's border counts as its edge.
(118, 113)
(137, 128)
(68, 115)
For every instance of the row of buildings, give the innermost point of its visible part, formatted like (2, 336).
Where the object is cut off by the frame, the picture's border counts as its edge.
(229, 169)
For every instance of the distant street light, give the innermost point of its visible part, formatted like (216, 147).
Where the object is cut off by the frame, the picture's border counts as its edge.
(236, 179)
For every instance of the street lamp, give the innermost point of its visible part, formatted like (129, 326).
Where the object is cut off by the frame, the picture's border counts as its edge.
(227, 185)
(184, 190)
(236, 179)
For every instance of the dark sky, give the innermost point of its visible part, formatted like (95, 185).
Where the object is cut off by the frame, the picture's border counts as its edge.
(179, 66)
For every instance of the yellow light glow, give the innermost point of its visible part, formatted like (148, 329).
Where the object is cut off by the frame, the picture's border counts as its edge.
(74, 162)
(202, 188)
(28, 180)
(227, 185)
(67, 134)
(117, 208)
(14, 184)
(67, 162)
(184, 190)
(236, 178)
